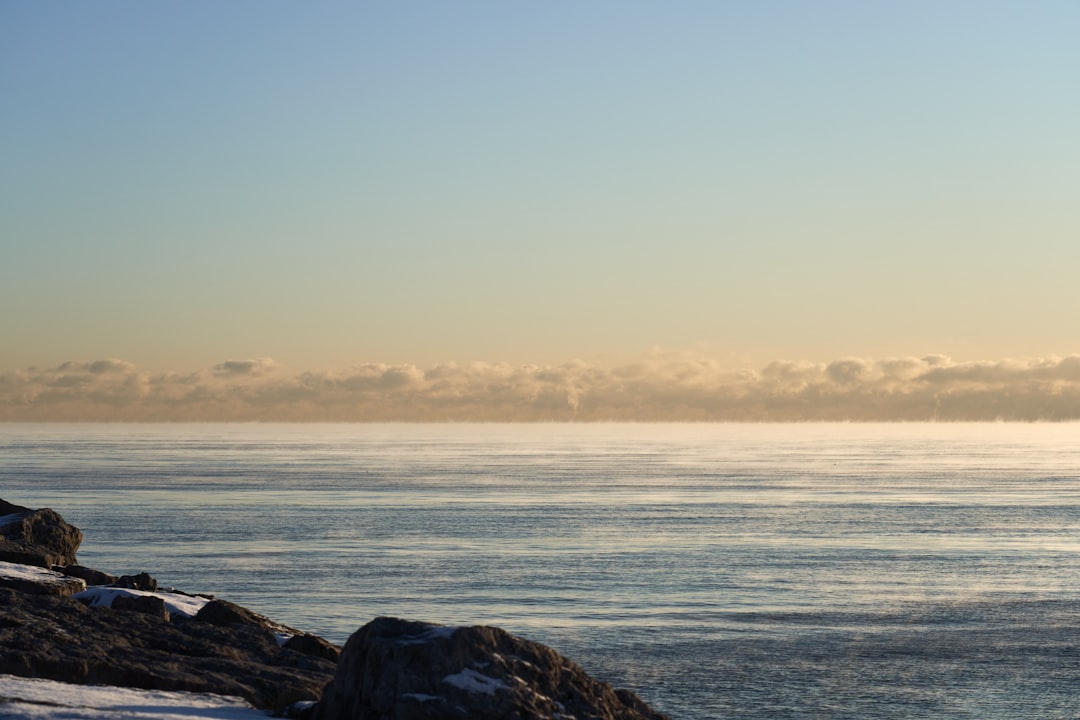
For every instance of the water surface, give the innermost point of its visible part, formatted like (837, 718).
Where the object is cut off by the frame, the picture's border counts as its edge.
(750, 571)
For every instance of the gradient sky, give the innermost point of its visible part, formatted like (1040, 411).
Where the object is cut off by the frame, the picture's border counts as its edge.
(326, 184)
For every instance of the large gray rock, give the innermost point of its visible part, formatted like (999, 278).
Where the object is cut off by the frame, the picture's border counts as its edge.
(395, 669)
(36, 537)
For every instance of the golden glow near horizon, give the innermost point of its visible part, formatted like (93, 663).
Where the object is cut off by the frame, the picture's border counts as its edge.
(657, 388)
(344, 186)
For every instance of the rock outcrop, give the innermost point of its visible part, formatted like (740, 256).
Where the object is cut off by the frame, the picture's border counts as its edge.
(36, 537)
(395, 669)
(138, 645)
(124, 631)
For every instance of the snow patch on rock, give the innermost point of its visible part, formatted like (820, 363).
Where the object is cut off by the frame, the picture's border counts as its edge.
(24, 577)
(472, 681)
(177, 603)
(29, 572)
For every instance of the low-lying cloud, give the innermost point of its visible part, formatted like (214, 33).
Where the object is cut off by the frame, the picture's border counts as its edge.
(654, 389)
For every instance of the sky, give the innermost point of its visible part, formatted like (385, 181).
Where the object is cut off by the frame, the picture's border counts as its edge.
(209, 202)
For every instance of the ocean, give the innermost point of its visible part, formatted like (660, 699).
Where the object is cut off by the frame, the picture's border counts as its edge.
(719, 570)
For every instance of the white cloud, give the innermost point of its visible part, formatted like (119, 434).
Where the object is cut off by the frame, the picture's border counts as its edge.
(655, 388)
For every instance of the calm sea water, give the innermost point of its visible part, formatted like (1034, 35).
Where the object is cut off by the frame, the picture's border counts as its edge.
(722, 571)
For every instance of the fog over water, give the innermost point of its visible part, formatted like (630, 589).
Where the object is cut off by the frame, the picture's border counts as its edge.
(656, 387)
(721, 570)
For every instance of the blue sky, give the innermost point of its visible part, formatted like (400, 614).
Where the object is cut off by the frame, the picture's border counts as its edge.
(335, 183)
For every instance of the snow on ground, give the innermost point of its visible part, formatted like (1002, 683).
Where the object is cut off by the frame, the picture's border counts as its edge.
(35, 699)
(177, 603)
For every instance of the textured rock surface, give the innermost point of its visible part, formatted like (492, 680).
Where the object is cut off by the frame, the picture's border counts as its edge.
(91, 576)
(18, 553)
(315, 646)
(223, 614)
(394, 669)
(142, 603)
(142, 581)
(61, 639)
(39, 534)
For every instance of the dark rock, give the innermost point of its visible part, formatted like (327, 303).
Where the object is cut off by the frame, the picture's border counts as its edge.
(223, 613)
(394, 669)
(61, 639)
(314, 646)
(38, 533)
(142, 581)
(147, 604)
(7, 508)
(91, 576)
(226, 614)
(16, 553)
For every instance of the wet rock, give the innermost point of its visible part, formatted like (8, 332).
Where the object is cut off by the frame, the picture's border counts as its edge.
(37, 534)
(394, 669)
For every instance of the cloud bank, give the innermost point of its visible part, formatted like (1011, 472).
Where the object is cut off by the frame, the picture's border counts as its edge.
(655, 389)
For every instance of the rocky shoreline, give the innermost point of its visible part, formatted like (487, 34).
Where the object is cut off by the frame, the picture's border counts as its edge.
(64, 622)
